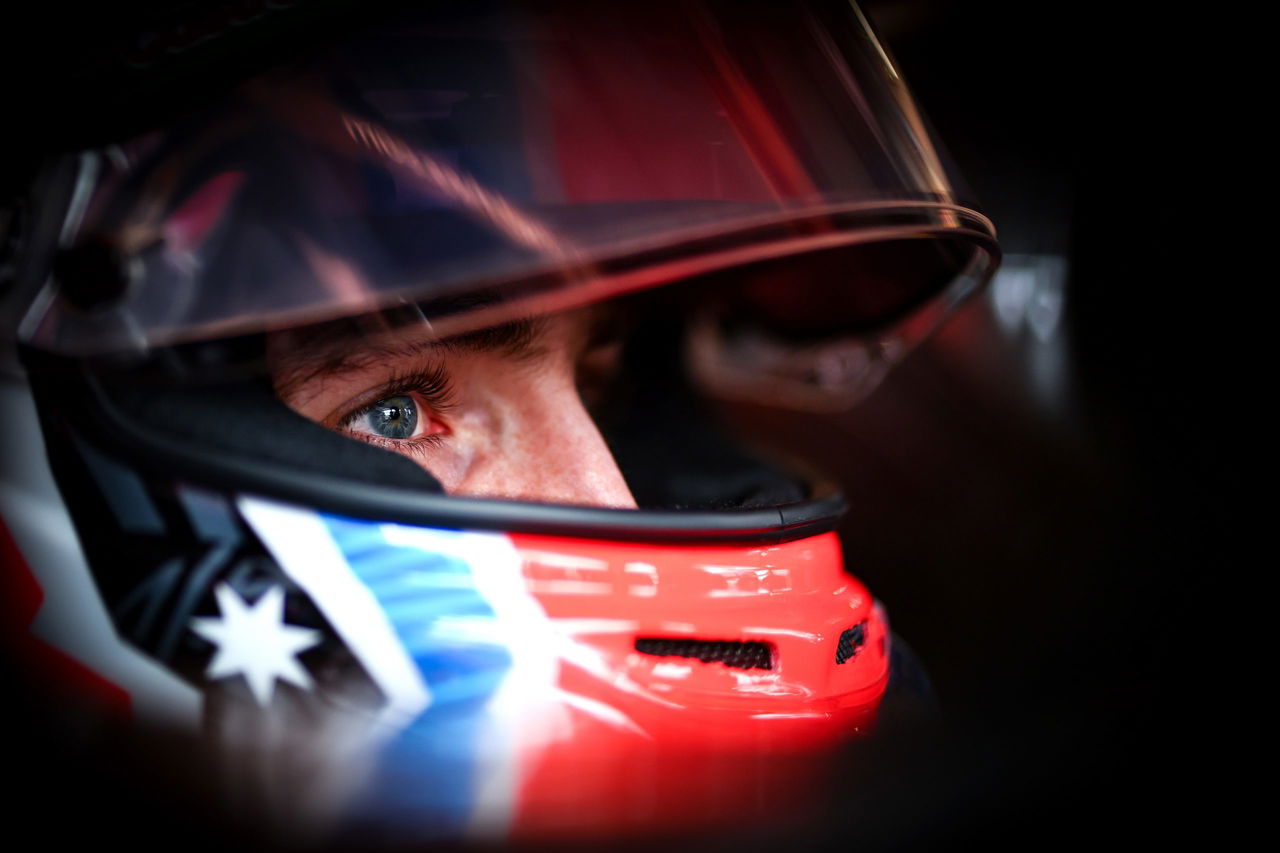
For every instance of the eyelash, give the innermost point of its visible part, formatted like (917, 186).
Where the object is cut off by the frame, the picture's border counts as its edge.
(432, 385)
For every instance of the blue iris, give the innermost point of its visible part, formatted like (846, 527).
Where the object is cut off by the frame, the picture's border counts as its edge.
(394, 417)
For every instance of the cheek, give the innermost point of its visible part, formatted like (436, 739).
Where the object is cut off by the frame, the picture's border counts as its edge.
(507, 434)
(472, 439)
(448, 464)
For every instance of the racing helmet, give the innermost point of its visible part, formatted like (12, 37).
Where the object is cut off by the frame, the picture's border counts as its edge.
(714, 201)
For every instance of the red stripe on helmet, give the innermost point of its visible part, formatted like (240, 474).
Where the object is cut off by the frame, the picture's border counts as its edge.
(50, 669)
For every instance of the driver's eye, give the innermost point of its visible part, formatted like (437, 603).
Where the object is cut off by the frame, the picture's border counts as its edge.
(394, 417)
(411, 414)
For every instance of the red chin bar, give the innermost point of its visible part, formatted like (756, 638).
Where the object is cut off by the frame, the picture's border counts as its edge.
(708, 681)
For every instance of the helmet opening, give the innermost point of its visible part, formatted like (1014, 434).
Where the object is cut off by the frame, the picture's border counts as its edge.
(223, 424)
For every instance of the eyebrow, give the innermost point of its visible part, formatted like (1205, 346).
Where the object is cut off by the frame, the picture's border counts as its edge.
(344, 346)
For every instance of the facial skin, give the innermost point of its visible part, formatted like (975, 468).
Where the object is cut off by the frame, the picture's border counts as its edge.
(495, 415)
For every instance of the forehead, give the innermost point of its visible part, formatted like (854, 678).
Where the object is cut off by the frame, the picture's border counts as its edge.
(298, 357)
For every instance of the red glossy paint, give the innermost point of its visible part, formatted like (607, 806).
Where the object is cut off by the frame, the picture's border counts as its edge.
(665, 742)
(20, 595)
(622, 150)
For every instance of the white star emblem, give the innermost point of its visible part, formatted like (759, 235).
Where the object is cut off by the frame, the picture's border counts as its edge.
(254, 642)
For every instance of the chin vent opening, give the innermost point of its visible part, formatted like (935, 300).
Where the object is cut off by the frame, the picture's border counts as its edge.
(851, 642)
(750, 654)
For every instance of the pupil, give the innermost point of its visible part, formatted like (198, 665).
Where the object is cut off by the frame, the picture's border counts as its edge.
(394, 417)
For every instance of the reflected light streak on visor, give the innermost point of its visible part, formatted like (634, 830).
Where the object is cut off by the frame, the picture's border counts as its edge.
(491, 207)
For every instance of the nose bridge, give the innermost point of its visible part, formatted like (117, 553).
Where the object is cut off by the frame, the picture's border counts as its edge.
(552, 450)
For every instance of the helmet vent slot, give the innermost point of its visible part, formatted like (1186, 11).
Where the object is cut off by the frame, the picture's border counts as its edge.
(748, 654)
(851, 642)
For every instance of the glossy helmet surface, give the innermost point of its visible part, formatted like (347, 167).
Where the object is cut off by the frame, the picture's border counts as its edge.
(742, 193)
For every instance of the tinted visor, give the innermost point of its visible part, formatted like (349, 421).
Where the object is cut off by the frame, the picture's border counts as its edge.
(483, 161)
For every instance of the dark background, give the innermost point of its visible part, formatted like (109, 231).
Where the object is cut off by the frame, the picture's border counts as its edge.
(1046, 518)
